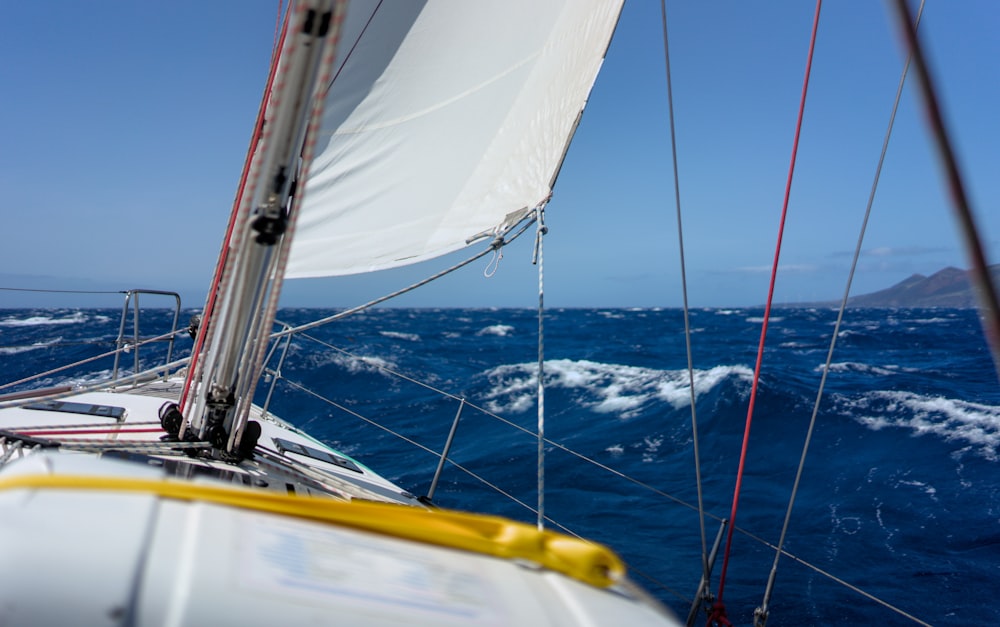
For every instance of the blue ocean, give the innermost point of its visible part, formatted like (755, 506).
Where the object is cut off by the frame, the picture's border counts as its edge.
(900, 494)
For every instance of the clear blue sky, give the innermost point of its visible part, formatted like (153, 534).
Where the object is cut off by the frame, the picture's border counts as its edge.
(124, 127)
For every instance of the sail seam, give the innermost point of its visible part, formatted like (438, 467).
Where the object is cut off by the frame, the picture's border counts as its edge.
(438, 106)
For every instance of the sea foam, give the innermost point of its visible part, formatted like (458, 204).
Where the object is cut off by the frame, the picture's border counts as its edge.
(14, 350)
(411, 337)
(34, 321)
(972, 424)
(860, 368)
(605, 388)
(501, 330)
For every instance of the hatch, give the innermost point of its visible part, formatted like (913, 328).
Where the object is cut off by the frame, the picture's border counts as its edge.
(86, 409)
(287, 446)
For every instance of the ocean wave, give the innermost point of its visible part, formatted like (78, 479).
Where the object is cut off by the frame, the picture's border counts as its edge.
(76, 381)
(921, 486)
(760, 319)
(860, 368)
(500, 330)
(355, 364)
(972, 424)
(608, 388)
(14, 350)
(35, 321)
(411, 337)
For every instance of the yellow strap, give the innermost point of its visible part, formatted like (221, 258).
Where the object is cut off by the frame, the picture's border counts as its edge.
(489, 535)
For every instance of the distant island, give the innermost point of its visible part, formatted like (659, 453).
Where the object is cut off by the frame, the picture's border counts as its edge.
(950, 287)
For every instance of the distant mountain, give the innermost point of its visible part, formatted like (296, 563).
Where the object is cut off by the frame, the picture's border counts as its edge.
(950, 287)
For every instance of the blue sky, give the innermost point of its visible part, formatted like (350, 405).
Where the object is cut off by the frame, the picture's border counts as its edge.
(125, 125)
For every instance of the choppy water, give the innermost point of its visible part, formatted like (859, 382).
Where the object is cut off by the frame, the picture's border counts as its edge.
(900, 494)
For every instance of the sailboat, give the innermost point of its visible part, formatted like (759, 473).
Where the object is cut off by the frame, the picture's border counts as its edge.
(168, 496)
(163, 498)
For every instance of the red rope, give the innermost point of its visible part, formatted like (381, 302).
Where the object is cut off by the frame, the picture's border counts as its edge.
(717, 616)
(719, 611)
(277, 30)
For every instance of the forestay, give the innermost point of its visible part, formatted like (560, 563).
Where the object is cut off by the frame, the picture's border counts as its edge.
(443, 119)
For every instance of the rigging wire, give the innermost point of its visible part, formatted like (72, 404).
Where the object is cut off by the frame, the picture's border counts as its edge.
(497, 243)
(28, 289)
(412, 442)
(580, 456)
(112, 353)
(705, 573)
(277, 30)
(987, 294)
(537, 259)
(474, 475)
(98, 385)
(55, 344)
(761, 613)
(719, 612)
(513, 425)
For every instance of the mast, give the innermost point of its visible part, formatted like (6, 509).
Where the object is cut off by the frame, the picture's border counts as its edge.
(234, 333)
(423, 146)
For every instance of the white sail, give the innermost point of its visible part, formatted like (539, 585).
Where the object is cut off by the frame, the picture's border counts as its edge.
(442, 119)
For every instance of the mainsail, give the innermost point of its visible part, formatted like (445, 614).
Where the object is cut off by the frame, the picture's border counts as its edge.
(443, 118)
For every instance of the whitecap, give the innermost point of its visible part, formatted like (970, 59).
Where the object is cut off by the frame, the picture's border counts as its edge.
(98, 376)
(500, 330)
(857, 367)
(14, 350)
(411, 337)
(953, 420)
(35, 321)
(760, 319)
(353, 364)
(360, 363)
(605, 388)
(929, 490)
